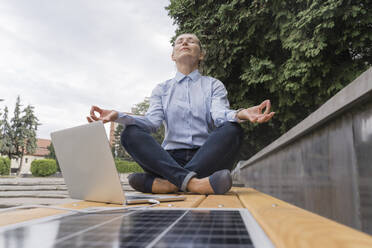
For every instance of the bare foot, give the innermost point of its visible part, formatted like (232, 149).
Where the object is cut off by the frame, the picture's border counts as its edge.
(200, 186)
(162, 186)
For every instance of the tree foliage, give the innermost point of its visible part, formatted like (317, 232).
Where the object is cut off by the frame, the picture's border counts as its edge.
(6, 147)
(29, 126)
(296, 53)
(139, 109)
(52, 155)
(17, 138)
(19, 134)
(142, 107)
(1, 133)
(118, 150)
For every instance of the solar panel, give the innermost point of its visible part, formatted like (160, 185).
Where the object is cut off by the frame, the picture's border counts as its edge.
(208, 228)
(141, 228)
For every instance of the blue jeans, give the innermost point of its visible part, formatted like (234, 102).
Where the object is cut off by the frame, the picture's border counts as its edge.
(178, 166)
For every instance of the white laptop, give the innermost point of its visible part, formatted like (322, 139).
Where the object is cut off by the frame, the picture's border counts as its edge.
(87, 165)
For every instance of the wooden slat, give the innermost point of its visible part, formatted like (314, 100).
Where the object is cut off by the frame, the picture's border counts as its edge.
(289, 226)
(229, 200)
(192, 201)
(17, 216)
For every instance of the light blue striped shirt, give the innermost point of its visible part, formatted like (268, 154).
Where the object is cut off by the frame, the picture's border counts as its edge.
(190, 107)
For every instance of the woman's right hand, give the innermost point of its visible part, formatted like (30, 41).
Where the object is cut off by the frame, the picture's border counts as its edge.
(104, 115)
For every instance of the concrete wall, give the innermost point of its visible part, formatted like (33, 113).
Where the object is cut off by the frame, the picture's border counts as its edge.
(324, 164)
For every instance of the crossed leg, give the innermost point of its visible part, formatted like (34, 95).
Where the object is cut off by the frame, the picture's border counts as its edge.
(165, 175)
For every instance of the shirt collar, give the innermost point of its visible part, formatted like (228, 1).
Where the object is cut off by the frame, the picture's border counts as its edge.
(193, 75)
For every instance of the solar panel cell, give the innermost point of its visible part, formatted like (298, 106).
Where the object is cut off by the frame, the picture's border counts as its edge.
(207, 229)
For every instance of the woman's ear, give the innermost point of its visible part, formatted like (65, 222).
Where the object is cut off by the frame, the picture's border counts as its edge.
(202, 55)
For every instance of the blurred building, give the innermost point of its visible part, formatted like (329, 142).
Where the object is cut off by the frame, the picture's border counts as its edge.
(113, 126)
(40, 153)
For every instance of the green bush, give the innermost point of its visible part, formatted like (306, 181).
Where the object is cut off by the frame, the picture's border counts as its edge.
(4, 166)
(127, 166)
(43, 167)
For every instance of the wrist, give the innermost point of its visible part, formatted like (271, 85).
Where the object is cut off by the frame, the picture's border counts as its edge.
(237, 117)
(115, 115)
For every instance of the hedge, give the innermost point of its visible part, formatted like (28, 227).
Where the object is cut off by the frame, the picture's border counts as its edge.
(127, 166)
(43, 167)
(4, 166)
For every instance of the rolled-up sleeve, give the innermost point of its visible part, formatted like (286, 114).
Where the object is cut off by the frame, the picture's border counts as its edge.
(220, 107)
(153, 117)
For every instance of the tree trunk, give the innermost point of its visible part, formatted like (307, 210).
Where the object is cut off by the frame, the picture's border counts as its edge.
(20, 163)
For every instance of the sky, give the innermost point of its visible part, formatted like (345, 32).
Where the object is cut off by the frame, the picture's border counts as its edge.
(64, 56)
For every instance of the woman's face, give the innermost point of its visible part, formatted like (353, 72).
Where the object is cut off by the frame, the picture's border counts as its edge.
(187, 47)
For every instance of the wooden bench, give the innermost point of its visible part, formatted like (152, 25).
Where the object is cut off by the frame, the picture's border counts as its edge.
(285, 224)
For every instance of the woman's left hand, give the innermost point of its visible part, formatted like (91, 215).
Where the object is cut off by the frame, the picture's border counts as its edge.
(254, 114)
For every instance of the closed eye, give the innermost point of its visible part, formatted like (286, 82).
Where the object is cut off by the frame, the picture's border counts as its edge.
(191, 40)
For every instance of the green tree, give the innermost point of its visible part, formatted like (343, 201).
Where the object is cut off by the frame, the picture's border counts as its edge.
(17, 133)
(6, 147)
(1, 133)
(28, 129)
(119, 151)
(52, 155)
(296, 53)
(139, 109)
(142, 107)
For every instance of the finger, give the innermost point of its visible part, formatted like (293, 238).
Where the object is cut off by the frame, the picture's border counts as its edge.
(261, 119)
(263, 104)
(95, 109)
(89, 119)
(268, 107)
(94, 117)
(271, 116)
(267, 117)
(92, 109)
(266, 104)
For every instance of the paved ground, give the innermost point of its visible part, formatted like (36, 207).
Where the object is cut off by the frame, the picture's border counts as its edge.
(46, 191)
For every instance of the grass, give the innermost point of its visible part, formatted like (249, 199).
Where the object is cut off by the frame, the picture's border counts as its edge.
(124, 166)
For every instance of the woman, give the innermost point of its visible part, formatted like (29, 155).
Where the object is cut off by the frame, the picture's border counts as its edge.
(202, 135)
